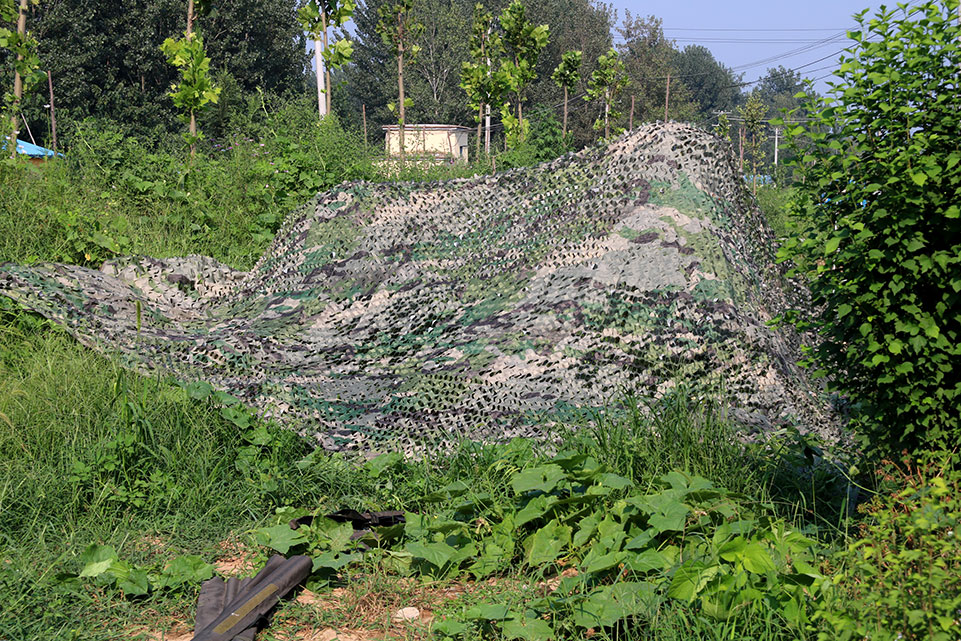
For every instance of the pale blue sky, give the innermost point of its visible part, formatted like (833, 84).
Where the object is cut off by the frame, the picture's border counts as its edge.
(752, 35)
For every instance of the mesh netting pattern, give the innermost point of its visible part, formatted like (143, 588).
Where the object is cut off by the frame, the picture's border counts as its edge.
(413, 314)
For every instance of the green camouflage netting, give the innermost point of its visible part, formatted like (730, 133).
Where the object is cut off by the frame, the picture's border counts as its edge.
(413, 314)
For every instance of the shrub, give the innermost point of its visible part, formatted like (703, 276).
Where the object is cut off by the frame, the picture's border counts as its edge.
(883, 252)
(901, 579)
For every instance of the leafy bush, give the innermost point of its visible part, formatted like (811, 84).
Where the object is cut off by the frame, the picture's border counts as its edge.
(901, 579)
(883, 253)
(617, 553)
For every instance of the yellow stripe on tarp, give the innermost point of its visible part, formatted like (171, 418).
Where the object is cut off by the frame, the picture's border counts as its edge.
(245, 609)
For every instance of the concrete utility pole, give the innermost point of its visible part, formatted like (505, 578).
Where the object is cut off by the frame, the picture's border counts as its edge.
(777, 131)
(18, 82)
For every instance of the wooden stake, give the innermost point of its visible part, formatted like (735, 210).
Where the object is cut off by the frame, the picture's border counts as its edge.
(667, 96)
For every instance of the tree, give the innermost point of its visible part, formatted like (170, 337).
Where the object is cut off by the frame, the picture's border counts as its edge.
(712, 86)
(195, 89)
(523, 42)
(753, 115)
(606, 82)
(317, 17)
(106, 60)
(23, 49)
(566, 75)
(485, 85)
(648, 58)
(399, 28)
(883, 251)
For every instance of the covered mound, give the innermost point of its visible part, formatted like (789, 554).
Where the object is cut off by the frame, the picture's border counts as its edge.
(411, 314)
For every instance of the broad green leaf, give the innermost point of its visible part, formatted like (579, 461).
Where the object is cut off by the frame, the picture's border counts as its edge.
(547, 543)
(281, 537)
(528, 629)
(832, 245)
(756, 558)
(488, 612)
(607, 605)
(690, 579)
(543, 478)
(647, 561)
(185, 570)
(136, 583)
(97, 559)
(437, 553)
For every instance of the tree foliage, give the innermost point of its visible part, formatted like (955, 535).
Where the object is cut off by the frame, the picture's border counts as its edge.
(195, 90)
(25, 63)
(523, 43)
(317, 17)
(883, 255)
(606, 82)
(400, 29)
(106, 60)
(566, 75)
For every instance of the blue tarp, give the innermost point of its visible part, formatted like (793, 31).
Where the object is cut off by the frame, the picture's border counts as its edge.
(30, 149)
(34, 151)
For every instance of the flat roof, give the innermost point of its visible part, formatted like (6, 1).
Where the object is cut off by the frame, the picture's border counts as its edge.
(430, 127)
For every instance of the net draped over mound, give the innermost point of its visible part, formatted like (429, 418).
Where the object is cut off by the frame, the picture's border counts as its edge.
(414, 314)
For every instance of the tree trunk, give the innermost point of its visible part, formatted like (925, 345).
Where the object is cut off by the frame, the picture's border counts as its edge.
(520, 119)
(193, 117)
(564, 126)
(323, 17)
(607, 112)
(400, 94)
(17, 82)
(480, 124)
(319, 63)
(53, 114)
(667, 96)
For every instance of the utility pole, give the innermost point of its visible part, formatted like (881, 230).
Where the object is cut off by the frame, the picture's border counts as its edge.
(777, 131)
(18, 82)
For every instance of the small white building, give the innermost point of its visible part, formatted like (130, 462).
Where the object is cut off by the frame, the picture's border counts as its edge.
(440, 143)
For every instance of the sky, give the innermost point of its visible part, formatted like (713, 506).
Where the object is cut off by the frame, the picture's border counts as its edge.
(751, 35)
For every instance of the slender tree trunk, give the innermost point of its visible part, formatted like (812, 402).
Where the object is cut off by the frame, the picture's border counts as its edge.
(520, 119)
(400, 92)
(630, 124)
(193, 117)
(53, 114)
(607, 111)
(754, 163)
(323, 18)
(740, 148)
(363, 113)
(17, 82)
(319, 63)
(667, 96)
(480, 125)
(564, 126)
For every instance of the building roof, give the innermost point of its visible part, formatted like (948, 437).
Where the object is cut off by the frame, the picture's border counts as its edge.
(428, 127)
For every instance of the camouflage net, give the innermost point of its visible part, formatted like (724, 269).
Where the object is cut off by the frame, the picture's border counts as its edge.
(413, 314)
